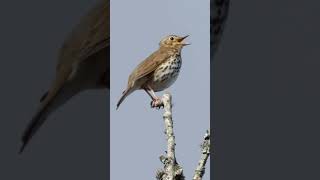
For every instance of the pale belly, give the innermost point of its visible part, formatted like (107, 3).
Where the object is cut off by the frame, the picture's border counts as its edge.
(166, 74)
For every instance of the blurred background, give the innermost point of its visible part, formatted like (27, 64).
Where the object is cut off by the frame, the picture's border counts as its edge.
(73, 143)
(266, 99)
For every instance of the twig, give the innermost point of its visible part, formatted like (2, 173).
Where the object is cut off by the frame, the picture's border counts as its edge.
(205, 149)
(172, 170)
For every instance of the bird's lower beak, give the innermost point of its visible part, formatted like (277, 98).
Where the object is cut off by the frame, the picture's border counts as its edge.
(182, 42)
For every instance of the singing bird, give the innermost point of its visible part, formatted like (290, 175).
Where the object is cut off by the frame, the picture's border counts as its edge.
(159, 71)
(83, 64)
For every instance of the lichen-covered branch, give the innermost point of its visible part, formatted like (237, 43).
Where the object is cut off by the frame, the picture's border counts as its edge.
(172, 170)
(205, 152)
(167, 117)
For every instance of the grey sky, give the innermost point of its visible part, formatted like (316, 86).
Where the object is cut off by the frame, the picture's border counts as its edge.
(136, 29)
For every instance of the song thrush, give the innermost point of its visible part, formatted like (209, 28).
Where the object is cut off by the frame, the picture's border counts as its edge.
(83, 64)
(158, 71)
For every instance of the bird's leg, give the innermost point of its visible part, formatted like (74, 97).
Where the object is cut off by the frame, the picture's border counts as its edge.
(156, 102)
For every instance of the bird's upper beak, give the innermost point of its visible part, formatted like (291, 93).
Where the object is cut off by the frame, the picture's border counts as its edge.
(182, 42)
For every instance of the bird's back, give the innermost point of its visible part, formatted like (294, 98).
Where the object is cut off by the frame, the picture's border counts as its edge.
(90, 36)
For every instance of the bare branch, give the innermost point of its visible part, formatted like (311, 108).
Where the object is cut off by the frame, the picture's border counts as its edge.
(167, 117)
(205, 149)
(172, 170)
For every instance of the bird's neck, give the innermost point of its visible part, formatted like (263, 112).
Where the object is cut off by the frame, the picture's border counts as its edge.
(172, 49)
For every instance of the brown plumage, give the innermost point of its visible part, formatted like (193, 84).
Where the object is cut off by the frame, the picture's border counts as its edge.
(158, 71)
(83, 64)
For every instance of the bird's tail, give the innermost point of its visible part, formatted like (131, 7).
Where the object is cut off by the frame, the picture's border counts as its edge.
(33, 126)
(124, 95)
(49, 103)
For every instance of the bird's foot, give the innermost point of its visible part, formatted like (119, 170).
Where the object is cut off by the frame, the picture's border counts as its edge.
(157, 103)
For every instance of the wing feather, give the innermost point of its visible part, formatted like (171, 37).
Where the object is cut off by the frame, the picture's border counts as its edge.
(90, 36)
(148, 66)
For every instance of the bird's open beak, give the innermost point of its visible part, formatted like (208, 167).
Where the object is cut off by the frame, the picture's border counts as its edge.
(182, 42)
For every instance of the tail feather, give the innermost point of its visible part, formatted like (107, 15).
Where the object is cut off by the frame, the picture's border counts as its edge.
(48, 105)
(124, 95)
(33, 127)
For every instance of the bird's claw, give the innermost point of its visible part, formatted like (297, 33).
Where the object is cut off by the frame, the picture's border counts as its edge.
(157, 103)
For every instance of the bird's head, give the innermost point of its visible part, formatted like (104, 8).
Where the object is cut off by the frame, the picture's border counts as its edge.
(173, 41)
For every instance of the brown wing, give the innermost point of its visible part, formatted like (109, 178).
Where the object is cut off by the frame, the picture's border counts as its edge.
(90, 36)
(148, 66)
(99, 35)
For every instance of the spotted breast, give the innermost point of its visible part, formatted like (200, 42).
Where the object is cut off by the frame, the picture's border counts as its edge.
(166, 74)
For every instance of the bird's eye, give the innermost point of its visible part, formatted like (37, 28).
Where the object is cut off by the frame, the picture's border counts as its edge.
(171, 38)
